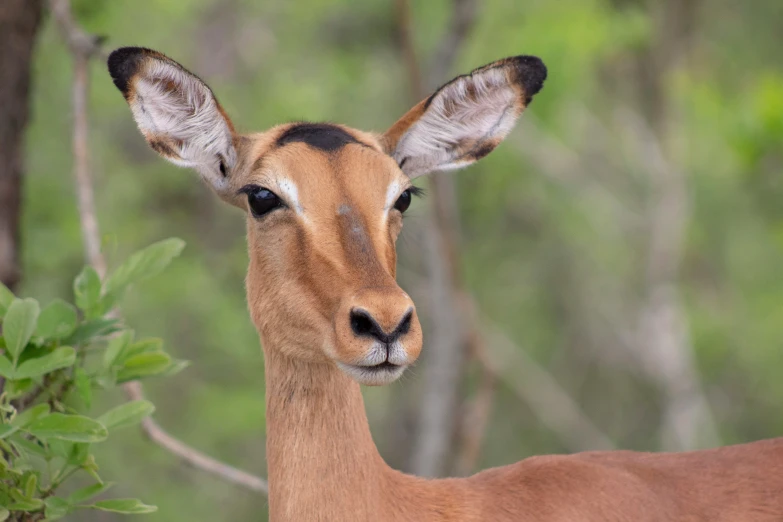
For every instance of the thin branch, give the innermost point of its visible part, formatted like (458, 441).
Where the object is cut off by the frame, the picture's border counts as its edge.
(405, 35)
(476, 418)
(663, 343)
(80, 43)
(446, 358)
(509, 364)
(191, 456)
(83, 47)
(81, 158)
(565, 166)
(463, 19)
(532, 384)
(475, 424)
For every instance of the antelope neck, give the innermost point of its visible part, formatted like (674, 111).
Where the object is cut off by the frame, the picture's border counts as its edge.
(323, 464)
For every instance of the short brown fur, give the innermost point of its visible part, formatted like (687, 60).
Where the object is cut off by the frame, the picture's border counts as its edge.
(333, 250)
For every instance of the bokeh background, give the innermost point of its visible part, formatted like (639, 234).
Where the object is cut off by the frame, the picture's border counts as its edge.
(608, 277)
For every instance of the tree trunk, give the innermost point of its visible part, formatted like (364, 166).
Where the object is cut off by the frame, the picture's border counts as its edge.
(663, 346)
(444, 362)
(19, 22)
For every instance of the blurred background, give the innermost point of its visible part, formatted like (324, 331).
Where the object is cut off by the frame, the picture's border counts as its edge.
(609, 277)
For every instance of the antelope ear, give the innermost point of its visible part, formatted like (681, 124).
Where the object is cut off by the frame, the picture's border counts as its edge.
(467, 118)
(176, 112)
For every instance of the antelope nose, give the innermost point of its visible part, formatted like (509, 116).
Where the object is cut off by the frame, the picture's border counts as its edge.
(377, 334)
(384, 313)
(364, 324)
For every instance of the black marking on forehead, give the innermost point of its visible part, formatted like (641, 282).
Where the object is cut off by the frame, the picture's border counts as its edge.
(322, 136)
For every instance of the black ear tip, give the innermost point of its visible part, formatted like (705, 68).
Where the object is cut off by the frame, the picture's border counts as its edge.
(123, 64)
(531, 73)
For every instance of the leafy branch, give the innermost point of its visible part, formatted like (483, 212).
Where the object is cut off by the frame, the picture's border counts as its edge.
(53, 359)
(83, 47)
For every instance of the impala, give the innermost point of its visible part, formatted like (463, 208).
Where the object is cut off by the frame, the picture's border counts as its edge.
(324, 206)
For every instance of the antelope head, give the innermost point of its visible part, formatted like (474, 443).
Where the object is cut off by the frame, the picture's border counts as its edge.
(325, 203)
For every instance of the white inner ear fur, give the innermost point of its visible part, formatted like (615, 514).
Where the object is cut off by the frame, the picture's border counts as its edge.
(187, 117)
(453, 117)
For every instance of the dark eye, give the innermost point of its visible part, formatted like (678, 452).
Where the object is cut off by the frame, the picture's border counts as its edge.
(263, 201)
(404, 201)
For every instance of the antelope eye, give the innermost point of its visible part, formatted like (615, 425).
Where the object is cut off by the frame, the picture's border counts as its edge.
(404, 201)
(263, 201)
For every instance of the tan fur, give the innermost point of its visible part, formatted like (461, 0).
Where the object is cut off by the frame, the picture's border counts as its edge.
(323, 466)
(333, 249)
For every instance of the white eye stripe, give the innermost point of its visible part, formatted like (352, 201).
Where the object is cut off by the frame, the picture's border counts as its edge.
(288, 191)
(291, 194)
(392, 193)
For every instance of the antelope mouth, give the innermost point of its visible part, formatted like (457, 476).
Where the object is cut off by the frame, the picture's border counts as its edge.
(385, 365)
(375, 375)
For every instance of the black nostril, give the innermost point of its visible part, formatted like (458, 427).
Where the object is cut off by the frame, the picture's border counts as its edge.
(404, 326)
(363, 325)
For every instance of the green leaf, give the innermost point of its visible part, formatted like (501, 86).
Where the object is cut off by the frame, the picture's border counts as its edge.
(60, 448)
(87, 289)
(92, 329)
(128, 506)
(62, 357)
(116, 347)
(144, 346)
(143, 264)
(29, 415)
(56, 508)
(19, 324)
(92, 471)
(127, 414)
(79, 454)
(5, 474)
(85, 494)
(16, 389)
(30, 485)
(57, 320)
(6, 367)
(7, 430)
(23, 444)
(4, 514)
(176, 366)
(83, 386)
(74, 428)
(6, 298)
(32, 504)
(143, 365)
(74, 453)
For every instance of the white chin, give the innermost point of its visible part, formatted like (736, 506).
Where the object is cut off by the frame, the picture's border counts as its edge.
(372, 375)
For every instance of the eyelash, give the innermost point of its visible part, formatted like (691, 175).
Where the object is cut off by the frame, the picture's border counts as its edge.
(417, 191)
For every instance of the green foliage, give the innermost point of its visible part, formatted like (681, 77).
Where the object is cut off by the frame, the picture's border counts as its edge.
(128, 414)
(62, 357)
(548, 253)
(127, 506)
(141, 265)
(48, 356)
(18, 325)
(6, 297)
(57, 321)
